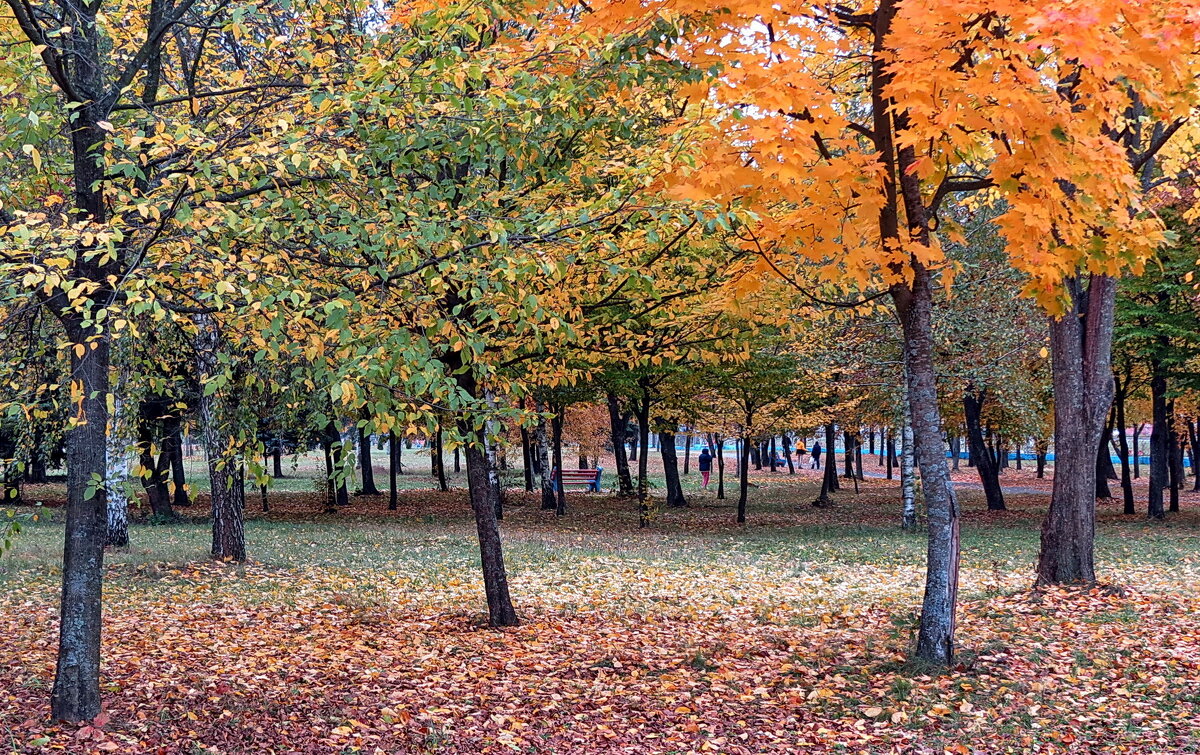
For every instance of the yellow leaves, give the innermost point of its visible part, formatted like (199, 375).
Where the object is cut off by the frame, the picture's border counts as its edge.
(34, 155)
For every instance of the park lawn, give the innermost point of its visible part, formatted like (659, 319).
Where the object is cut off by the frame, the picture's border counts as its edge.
(362, 631)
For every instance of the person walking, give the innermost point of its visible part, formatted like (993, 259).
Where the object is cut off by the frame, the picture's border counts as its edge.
(816, 455)
(705, 467)
(800, 452)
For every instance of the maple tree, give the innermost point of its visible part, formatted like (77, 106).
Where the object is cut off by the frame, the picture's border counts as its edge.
(843, 130)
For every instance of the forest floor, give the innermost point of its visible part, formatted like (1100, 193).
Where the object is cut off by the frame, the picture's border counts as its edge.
(363, 631)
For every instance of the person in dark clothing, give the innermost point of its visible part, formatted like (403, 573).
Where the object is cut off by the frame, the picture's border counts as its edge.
(816, 455)
(705, 466)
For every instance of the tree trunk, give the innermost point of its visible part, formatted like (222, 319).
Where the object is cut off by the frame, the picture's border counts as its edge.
(670, 457)
(439, 460)
(719, 444)
(154, 480)
(1043, 450)
(227, 488)
(393, 470)
(330, 495)
(541, 443)
(687, 452)
(744, 478)
(908, 477)
(1137, 451)
(620, 423)
(76, 694)
(829, 478)
(173, 440)
(364, 461)
(1081, 363)
(277, 458)
(526, 459)
(1159, 467)
(973, 401)
(890, 453)
(1194, 447)
(556, 426)
(643, 487)
(1175, 458)
(1103, 464)
(117, 470)
(848, 454)
(491, 554)
(787, 454)
(1122, 389)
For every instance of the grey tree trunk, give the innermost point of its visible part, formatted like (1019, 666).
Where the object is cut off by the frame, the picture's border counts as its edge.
(224, 466)
(76, 694)
(482, 492)
(1081, 363)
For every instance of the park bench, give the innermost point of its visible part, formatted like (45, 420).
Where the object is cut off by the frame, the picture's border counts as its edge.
(589, 478)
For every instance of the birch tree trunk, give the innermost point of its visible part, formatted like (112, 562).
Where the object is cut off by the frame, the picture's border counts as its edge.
(117, 468)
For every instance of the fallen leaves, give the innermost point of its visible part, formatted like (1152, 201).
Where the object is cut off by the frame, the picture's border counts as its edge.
(680, 640)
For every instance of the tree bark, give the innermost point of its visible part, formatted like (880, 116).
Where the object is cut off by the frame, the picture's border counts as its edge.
(787, 454)
(908, 481)
(890, 452)
(719, 445)
(155, 481)
(117, 471)
(173, 440)
(364, 462)
(829, 478)
(76, 694)
(973, 401)
(227, 487)
(1137, 451)
(556, 426)
(744, 479)
(439, 460)
(1103, 464)
(687, 452)
(620, 422)
(526, 459)
(670, 457)
(1194, 446)
(541, 443)
(482, 492)
(643, 487)
(1159, 467)
(1081, 364)
(1175, 458)
(1120, 395)
(393, 470)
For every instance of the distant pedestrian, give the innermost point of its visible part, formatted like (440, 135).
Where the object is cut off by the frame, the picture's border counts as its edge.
(816, 455)
(705, 466)
(800, 452)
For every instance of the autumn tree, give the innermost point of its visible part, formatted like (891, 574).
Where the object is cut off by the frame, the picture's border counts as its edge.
(845, 130)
